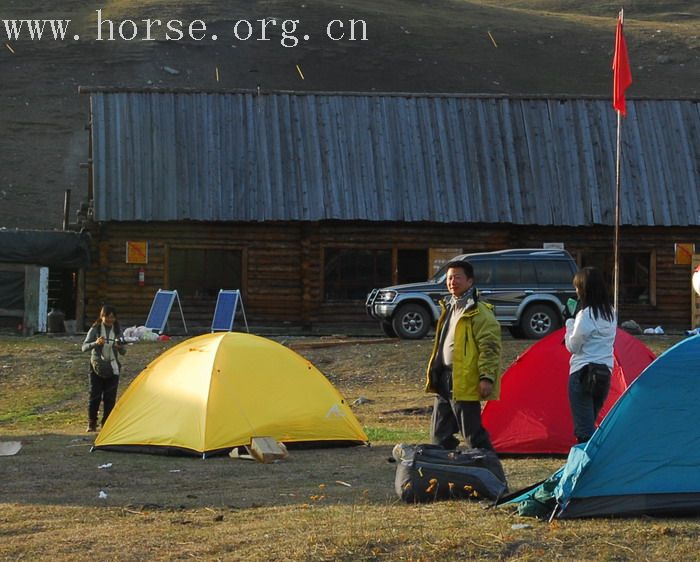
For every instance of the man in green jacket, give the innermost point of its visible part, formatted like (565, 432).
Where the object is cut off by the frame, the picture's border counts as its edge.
(464, 367)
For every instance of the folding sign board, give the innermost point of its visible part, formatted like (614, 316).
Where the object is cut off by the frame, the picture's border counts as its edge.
(225, 311)
(160, 310)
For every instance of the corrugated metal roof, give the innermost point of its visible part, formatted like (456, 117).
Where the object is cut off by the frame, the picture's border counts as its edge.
(309, 157)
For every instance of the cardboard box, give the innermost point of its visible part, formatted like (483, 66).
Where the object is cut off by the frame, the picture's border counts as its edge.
(267, 449)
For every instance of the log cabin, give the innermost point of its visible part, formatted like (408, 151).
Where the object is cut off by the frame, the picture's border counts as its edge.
(305, 201)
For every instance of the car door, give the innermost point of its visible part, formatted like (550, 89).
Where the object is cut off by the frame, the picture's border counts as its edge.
(501, 283)
(555, 277)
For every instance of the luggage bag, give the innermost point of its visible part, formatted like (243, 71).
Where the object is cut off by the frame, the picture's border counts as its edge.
(426, 473)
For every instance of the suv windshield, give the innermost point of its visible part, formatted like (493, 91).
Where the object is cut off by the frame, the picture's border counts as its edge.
(439, 277)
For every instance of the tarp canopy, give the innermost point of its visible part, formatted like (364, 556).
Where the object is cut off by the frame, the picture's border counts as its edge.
(12, 290)
(644, 457)
(218, 391)
(533, 414)
(51, 248)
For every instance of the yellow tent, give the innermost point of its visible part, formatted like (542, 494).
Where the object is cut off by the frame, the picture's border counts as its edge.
(217, 391)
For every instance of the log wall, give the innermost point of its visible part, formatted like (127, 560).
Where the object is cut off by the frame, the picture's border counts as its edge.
(671, 282)
(282, 265)
(271, 288)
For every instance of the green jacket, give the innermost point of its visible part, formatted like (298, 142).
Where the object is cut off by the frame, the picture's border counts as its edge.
(477, 352)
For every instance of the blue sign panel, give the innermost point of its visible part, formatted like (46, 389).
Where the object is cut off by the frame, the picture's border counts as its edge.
(160, 310)
(225, 310)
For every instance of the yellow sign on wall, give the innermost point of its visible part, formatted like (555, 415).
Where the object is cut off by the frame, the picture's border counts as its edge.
(136, 252)
(684, 253)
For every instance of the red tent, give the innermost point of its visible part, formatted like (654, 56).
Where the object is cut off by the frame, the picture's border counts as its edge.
(533, 415)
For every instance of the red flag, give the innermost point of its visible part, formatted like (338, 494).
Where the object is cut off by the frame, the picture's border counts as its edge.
(622, 77)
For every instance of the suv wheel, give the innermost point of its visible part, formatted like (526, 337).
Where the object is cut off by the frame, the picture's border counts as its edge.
(387, 329)
(411, 321)
(538, 321)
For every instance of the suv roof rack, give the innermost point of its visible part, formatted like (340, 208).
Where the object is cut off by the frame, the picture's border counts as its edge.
(540, 252)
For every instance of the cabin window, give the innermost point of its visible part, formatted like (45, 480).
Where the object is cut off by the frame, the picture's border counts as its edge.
(637, 275)
(411, 265)
(201, 272)
(635, 278)
(349, 274)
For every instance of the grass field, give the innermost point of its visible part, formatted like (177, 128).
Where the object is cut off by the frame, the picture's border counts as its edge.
(327, 504)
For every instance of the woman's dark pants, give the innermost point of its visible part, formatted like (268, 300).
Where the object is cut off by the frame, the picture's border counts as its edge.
(102, 390)
(586, 405)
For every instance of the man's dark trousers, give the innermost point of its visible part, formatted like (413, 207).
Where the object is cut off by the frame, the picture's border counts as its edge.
(456, 416)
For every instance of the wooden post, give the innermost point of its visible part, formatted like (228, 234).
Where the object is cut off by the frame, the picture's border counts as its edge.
(66, 210)
(306, 271)
(80, 301)
(104, 267)
(36, 287)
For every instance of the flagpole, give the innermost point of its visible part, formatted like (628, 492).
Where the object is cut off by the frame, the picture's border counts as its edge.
(616, 243)
(621, 80)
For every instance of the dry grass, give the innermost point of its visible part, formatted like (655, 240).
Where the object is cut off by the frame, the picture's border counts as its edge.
(177, 508)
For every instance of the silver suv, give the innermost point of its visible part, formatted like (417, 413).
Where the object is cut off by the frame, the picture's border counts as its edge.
(528, 288)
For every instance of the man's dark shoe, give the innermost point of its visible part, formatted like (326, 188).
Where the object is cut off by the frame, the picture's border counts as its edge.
(92, 426)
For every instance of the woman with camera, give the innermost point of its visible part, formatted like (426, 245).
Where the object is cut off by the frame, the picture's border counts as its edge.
(104, 343)
(590, 336)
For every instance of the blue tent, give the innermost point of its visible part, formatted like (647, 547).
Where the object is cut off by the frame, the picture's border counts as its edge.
(645, 456)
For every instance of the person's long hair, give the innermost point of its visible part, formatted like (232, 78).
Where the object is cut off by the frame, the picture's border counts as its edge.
(593, 292)
(106, 310)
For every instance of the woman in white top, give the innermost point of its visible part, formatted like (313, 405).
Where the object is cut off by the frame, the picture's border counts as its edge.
(590, 337)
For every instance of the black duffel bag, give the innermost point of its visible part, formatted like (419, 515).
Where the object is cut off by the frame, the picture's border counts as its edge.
(426, 473)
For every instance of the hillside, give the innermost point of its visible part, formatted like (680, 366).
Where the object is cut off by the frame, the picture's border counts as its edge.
(512, 47)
